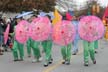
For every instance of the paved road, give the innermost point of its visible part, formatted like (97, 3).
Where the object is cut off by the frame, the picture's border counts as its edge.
(7, 65)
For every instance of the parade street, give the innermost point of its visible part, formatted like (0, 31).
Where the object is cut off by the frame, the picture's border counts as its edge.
(8, 65)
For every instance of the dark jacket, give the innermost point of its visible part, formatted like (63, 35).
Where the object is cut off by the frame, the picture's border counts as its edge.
(1, 29)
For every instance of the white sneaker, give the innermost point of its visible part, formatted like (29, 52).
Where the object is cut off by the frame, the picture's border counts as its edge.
(37, 60)
(40, 59)
(34, 61)
(2, 48)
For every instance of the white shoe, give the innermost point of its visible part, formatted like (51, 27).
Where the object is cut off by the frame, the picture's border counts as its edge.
(40, 59)
(2, 48)
(34, 61)
(37, 60)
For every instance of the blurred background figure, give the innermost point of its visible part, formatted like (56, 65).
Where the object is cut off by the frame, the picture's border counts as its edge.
(1, 35)
(75, 42)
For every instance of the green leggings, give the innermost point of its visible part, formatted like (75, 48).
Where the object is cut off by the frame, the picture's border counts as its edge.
(47, 47)
(88, 50)
(18, 47)
(28, 44)
(34, 45)
(66, 52)
(96, 44)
